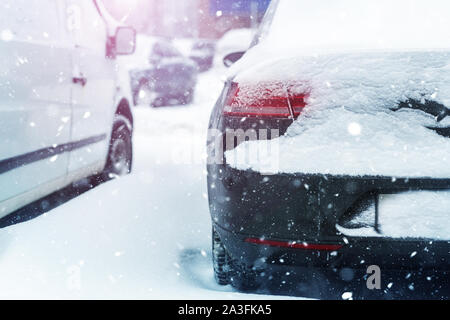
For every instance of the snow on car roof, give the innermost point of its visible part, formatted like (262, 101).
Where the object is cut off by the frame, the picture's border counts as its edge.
(235, 40)
(359, 24)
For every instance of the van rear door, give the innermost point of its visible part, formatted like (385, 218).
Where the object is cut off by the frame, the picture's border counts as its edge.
(35, 107)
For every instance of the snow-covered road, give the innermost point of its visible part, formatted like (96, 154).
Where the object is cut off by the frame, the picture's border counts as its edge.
(145, 236)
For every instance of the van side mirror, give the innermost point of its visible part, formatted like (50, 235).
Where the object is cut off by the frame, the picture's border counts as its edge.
(232, 58)
(125, 40)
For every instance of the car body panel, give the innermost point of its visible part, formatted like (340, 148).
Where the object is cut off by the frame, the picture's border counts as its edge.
(252, 207)
(159, 68)
(36, 84)
(203, 53)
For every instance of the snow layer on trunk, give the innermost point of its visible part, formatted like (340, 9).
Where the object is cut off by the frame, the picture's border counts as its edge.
(348, 126)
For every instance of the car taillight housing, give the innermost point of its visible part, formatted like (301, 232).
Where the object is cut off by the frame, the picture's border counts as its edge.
(267, 99)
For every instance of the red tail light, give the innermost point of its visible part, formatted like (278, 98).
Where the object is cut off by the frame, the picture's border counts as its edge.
(273, 100)
(293, 245)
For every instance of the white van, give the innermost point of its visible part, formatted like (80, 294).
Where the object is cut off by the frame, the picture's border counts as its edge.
(64, 115)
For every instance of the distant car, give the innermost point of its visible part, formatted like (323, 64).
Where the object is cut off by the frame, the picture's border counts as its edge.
(235, 40)
(329, 149)
(203, 53)
(161, 75)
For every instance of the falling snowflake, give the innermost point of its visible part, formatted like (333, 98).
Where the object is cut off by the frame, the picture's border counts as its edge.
(6, 35)
(354, 129)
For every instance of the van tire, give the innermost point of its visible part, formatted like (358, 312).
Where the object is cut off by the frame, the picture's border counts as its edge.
(120, 154)
(121, 136)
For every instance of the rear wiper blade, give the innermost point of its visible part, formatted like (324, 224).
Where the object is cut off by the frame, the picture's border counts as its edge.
(445, 132)
(438, 110)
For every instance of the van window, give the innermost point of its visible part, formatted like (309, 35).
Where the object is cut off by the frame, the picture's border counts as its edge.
(30, 20)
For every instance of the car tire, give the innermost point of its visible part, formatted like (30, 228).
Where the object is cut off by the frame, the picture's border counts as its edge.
(150, 98)
(137, 91)
(187, 97)
(158, 102)
(221, 260)
(230, 271)
(243, 278)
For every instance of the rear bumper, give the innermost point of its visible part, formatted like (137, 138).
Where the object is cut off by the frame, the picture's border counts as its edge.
(323, 283)
(328, 274)
(355, 253)
(306, 209)
(294, 206)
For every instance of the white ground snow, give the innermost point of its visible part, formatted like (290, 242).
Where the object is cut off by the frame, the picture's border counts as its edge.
(144, 236)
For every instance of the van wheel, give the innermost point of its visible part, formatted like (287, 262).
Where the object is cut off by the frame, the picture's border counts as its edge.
(229, 271)
(120, 154)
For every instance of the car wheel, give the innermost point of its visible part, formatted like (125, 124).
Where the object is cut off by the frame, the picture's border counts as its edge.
(230, 271)
(120, 154)
(188, 97)
(145, 96)
(221, 260)
(243, 278)
(158, 102)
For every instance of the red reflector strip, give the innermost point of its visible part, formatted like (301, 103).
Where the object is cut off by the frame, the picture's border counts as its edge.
(294, 245)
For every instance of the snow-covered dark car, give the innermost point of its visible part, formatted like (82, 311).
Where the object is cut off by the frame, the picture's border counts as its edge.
(329, 148)
(203, 52)
(164, 77)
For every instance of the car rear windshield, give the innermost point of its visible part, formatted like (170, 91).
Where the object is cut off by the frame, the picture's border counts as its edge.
(356, 24)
